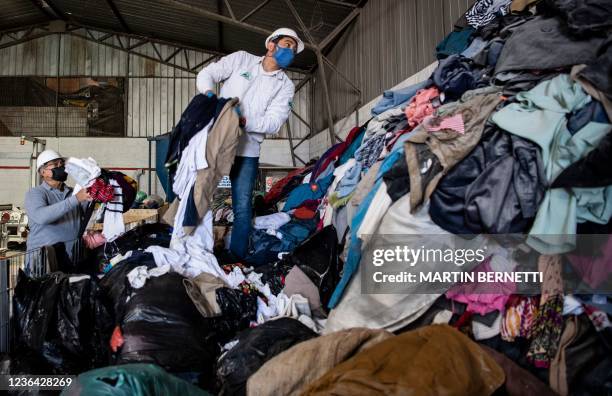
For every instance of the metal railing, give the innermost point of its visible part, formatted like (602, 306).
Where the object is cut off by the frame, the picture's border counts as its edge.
(35, 263)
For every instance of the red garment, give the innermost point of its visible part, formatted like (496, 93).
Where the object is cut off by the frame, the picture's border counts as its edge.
(420, 106)
(312, 204)
(277, 188)
(334, 154)
(101, 191)
(116, 340)
(304, 213)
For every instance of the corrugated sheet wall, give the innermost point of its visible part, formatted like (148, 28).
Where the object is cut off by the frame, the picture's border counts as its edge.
(391, 40)
(156, 93)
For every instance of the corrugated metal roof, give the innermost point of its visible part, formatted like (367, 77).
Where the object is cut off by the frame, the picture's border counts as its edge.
(159, 20)
(19, 13)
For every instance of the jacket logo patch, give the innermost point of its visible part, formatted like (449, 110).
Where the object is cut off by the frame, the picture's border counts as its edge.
(246, 75)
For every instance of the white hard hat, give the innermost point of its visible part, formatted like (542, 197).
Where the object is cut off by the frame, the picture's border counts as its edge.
(46, 156)
(289, 33)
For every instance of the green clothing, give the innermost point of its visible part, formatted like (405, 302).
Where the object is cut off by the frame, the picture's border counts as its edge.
(336, 202)
(540, 116)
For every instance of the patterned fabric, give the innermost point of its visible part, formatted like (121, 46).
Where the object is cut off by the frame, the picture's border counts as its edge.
(453, 123)
(370, 151)
(101, 191)
(548, 323)
(546, 332)
(518, 319)
(484, 11)
(599, 318)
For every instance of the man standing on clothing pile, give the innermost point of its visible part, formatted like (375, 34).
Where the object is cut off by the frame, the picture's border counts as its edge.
(266, 95)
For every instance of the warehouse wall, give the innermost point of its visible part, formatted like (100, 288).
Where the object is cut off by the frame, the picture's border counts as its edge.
(156, 96)
(391, 40)
(156, 93)
(128, 155)
(320, 142)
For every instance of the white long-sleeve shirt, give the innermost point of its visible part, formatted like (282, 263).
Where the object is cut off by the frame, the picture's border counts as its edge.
(265, 97)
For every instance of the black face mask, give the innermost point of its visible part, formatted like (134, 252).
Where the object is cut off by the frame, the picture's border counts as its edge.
(59, 174)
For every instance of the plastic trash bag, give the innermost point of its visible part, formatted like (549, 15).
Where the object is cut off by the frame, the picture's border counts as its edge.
(131, 380)
(161, 325)
(115, 282)
(64, 321)
(238, 310)
(255, 347)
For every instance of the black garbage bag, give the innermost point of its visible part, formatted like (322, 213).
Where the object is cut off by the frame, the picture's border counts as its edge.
(318, 257)
(131, 380)
(141, 237)
(161, 325)
(63, 321)
(157, 234)
(238, 309)
(116, 285)
(274, 275)
(255, 347)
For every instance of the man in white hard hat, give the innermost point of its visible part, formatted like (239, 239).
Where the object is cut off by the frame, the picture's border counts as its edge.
(266, 95)
(54, 213)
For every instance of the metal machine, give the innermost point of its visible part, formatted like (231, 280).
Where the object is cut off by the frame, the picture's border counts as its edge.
(13, 226)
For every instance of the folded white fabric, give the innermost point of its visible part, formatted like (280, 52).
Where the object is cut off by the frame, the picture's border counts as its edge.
(113, 215)
(83, 170)
(273, 221)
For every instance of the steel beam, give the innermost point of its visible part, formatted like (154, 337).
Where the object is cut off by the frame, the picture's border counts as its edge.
(42, 9)
(229, 8)
(172, 55)
(301, 119)
(84, 37)
(204, 62)
(118, 15)
(302, 83)
(221, 18)
(288, 124)
(138, 44)
(345, 78)
(60, 14)
(339, 29)
(254, 10)
(24, 39)
(330, 118)
(339, 3)
(157, 51)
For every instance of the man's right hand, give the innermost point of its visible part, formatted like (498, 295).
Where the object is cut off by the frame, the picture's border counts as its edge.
(83, 195)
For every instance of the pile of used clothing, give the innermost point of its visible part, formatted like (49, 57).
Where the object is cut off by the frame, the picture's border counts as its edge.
(511, 134)
(222, 207)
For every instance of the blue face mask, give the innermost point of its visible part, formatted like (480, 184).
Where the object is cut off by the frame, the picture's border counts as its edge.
(283, 56)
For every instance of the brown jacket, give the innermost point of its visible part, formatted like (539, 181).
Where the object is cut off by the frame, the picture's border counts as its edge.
(433, 360)
(289, 372)
(220, 152)
(439, 151)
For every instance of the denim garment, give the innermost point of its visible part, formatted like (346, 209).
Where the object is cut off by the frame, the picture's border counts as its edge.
(391, 99)
(242, 177)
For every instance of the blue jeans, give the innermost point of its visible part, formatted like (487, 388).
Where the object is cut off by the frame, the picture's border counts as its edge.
(242, 176)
